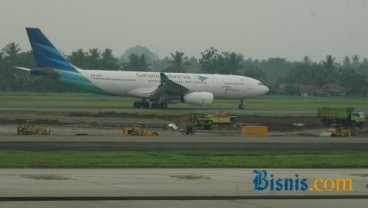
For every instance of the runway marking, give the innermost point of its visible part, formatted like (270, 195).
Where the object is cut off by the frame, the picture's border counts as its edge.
(185, 198)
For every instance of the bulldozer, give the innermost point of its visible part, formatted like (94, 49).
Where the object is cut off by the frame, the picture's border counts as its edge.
(138, 131)
(31, 129)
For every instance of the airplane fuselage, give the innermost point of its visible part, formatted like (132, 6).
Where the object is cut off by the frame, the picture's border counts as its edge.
(126, 83)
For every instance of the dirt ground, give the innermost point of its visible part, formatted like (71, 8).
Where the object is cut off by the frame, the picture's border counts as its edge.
(111, 123)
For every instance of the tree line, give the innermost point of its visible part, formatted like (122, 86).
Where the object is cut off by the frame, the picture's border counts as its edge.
(351, 72)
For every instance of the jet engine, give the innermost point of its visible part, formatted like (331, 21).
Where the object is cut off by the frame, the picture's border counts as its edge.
(198, 98)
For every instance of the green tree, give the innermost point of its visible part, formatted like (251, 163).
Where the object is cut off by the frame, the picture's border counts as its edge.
(209, 60)
(256, 73)
(233, 63)
(94, 58)
(193, 65)
(346, 61)
(328, 71)
(355, 84)
(2, 60)
(275, 68)
(150, 56)
(177, 62)
(307, 60)
(11, 52)
(292, 89)
(300, 74)
(10, 58)
(356, 60)
(136, 63)
(108, 61)
(225, 63)
(79, 58)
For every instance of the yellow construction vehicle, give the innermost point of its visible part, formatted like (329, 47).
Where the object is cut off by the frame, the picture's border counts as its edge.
(206, 121)
(339, 132)
(31, 129)
(138, 131)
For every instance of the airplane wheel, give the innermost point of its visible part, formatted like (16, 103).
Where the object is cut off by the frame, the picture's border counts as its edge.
(137, 104)
(163, 105)
(145, 104)
(155, 105)
(241, 106)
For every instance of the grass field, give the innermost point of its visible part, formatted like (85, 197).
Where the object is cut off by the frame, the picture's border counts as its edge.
(70, 159)
(267, 105)
(64, 103)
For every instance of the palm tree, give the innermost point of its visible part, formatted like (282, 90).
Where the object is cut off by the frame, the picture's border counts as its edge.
(356, 60)
(78, 58)
(94, 58)
(136, 63)
(330, 62)
(177, 62)
(108, 61)
(307, 60)
(10, 58)
(346, 61)
(11, 52)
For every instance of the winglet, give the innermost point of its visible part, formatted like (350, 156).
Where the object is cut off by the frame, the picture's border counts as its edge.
(45, 54)
(163, 78)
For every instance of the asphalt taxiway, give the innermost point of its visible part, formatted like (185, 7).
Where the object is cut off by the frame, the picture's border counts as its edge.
(203, 187)
(181, 143)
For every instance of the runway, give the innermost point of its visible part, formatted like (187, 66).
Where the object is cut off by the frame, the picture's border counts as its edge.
(181, 143)
(202, 187)
(233, 110)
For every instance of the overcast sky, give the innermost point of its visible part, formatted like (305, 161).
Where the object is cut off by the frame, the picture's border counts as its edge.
(256, 28)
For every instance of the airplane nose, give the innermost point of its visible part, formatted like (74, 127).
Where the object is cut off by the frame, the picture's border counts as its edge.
(266, 89)
(263, 90)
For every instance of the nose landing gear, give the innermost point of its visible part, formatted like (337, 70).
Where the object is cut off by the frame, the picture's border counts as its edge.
(241, 105)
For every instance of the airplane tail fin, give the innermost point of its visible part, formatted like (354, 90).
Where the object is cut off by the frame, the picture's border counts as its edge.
(45, 54)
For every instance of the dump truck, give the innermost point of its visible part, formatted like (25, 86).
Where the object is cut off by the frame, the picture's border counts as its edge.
(206, 121)
(138, 131)
(31, 129)
(341, 116)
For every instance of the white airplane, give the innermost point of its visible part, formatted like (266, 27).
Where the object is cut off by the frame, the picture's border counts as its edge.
(155, 89)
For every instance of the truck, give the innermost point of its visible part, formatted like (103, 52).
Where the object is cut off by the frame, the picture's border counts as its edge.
(138, 131)
(206, 121)
(341, 116)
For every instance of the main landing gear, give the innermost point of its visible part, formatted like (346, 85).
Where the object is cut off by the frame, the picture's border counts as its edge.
(141, 104)
(161, 105)
(241, 105)
(147, 104)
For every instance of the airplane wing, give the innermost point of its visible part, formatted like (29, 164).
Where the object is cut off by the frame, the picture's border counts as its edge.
(166, 87)
(170, 87)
